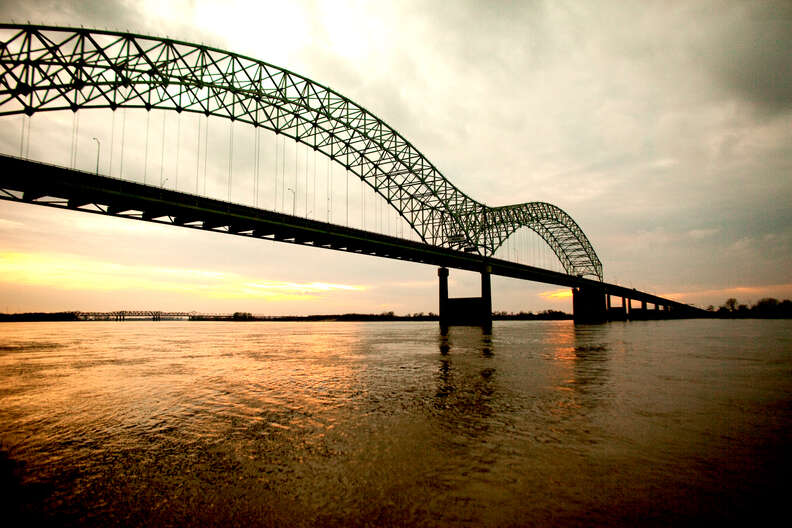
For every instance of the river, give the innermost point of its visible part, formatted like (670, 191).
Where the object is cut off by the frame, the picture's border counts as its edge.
(391, 424)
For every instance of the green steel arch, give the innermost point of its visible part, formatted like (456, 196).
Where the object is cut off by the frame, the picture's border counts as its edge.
(53, 68)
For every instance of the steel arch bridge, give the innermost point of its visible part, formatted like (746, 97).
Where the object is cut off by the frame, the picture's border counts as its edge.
(47, 68)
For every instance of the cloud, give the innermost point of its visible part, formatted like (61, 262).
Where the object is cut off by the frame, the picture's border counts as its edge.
(749, 53)
(698, 234)
(8, 225)
(556, 295)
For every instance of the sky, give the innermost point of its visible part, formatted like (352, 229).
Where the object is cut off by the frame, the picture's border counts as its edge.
(663, 128)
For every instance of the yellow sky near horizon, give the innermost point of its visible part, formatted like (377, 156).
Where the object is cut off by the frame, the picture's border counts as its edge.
(65, 271)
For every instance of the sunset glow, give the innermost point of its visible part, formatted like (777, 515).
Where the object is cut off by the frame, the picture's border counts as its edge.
(557, 295)
(72, 272)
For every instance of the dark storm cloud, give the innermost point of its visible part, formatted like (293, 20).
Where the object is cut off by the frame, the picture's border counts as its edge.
(749, 51)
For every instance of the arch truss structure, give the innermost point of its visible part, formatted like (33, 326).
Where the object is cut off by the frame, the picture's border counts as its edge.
(52, 68)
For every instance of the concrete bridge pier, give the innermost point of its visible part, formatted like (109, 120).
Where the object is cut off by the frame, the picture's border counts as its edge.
(589, 305)
(465, 311)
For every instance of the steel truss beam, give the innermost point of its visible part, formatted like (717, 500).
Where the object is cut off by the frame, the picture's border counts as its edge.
(45, 68)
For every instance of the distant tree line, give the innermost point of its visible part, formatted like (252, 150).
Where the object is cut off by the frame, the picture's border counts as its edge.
(384, 316)
(765, 308)
(39, 316)
(545, 315)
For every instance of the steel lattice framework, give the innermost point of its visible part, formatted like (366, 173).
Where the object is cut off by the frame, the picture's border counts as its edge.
(52, 68)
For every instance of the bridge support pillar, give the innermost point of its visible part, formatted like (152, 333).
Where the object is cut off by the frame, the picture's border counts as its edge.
(465, 311)
(589, 305)
(486, 298)
(442, 274)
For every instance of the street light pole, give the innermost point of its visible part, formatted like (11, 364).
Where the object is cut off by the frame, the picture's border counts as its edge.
(294, 198)
(98, 149)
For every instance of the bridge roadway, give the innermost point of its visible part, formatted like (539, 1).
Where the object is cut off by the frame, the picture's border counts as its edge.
(54, 186)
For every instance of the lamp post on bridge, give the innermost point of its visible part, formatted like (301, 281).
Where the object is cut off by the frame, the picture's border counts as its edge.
(98, 149)
(294, 198)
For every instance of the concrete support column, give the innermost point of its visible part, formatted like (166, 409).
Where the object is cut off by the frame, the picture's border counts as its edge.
(486, 298)
(588, 305)
(442, 273)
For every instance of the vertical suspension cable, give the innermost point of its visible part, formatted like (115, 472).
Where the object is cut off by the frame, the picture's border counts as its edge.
(178, 149)
(162, 153)
(316, 212)
(71, 150)
(329, 192)
(112, 142)
(363, 204)
(206, 153)
(145, 157)
(76, 139)
(256, 156)
(198, 155)
(275, 176)
(306, 183)
(123, 143)
(230, 156)
(327, 189)
(255, 163)
(258, 169)
(347, 197)
(283, 174)
(22, 137)
(27, 139)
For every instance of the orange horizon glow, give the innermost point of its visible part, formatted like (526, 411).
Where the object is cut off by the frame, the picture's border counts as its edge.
(71, 272)
(748, 293)
(556, 295)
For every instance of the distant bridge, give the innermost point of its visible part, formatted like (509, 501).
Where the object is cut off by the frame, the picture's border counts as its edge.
(49, 69)
(123, 315)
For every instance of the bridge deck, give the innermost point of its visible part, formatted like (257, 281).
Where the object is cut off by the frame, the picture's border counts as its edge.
(50, 185)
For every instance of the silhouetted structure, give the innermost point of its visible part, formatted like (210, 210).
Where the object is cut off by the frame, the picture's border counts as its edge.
(88, 68)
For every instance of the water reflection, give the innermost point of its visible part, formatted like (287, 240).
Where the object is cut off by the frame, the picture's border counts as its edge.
(591, 361)
(385, 424)
(465, 381)
(582, 355)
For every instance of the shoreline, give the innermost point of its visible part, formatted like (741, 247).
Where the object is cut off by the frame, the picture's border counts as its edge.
(547, 315)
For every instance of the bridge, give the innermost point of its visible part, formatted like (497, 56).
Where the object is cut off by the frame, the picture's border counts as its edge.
(123, 315)
(49, 69)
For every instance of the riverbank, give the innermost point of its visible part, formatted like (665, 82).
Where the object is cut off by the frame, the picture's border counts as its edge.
(546, 315)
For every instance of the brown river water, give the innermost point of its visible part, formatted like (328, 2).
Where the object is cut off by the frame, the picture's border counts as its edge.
(653, 423)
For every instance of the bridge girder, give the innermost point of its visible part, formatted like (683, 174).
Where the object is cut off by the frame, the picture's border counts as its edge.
(47, 68)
